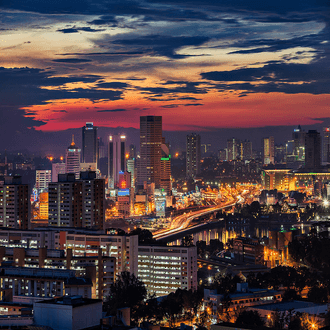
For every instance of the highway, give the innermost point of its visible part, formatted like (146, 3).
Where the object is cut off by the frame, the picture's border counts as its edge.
(183, 221)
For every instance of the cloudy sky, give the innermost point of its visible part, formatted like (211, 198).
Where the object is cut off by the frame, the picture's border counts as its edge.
(201, 64)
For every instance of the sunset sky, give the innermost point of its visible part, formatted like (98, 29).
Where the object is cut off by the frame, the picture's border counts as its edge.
(201, 64)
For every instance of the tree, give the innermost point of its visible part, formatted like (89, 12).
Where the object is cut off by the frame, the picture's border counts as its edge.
(249, 319)
(127, 291)
(291, 294)
(171, 307)
(145, 236)
(317, 295)
(187, 241)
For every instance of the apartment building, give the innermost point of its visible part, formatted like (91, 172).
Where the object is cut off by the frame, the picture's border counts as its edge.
(166, 269)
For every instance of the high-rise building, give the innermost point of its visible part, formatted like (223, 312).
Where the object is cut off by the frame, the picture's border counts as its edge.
(43, 177)
(57, 168)
(326, 145)
(193, 158)
(90, 147)
(246, 150)
(233, 149)
(130, 164)
(150, 150)
(132, 151)
(165, 178)
(269, 150)
(312, 150)
(116, 159)
(14, 203)
(77, 203)
(298, 137)
(72, 159)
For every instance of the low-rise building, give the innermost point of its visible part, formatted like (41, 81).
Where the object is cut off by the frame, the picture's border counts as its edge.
(99, 269)
(243, 297)
(68, 313)
(42, 283)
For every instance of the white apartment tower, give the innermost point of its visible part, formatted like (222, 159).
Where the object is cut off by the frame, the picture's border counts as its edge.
(164, 269)
(72, 160)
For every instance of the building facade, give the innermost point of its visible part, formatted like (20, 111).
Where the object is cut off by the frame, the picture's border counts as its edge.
(166, 269)
(193, 156)
(312, 150)
(116, 159)
(269, 150)
(72, 159)
(90, 147)
(43, 177)
(150, 150)
(57, 168)
(77, 203)
(15, 207)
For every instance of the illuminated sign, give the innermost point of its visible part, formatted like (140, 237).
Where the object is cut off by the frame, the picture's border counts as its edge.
(123, 192)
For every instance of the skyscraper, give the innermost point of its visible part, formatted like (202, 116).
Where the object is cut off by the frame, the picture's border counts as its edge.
(90, 148)
(165, 165)
(312, 150)
(233, 149)
(72, 159)
(193, 158)
(269, 150)
(116, 158)
(326, 145)
(150, 150)
(298, 137)
(246, 150)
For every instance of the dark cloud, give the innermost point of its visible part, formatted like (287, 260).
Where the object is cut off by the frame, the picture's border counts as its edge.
(193, 104)
(78, 29)
(169, 106)
(23, 87)
(72, 60)
(114, 85)
(291, 78)
(159, 45)
(113, 110)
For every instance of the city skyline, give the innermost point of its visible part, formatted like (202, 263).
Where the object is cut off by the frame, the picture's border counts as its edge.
(202, 68)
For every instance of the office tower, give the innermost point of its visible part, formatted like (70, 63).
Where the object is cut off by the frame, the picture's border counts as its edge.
(90, 148)
(14, 203)
(132, 151)
(165, 165)
(222, 154)
(150, 150)
(102, 148)
(130, 164)
(57, 168)
(72, 159)
(193, 158)
(233, 149)
(280, 153)
(298, 137)
(77, 203)
(326, 145)
(312, 150)
(246, 150)
(116, 159)
(43, 177)
(166, 269)
(205, 148)
(269, 150)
